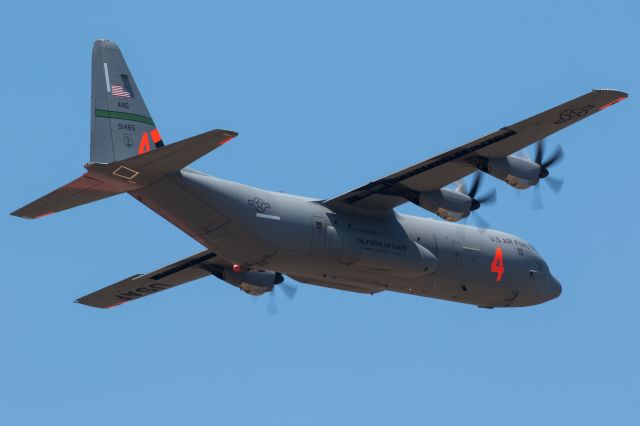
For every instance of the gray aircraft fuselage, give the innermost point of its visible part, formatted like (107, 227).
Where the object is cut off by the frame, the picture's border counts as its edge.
(352, 249)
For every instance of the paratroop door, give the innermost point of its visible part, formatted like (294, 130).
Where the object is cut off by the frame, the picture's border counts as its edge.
(319, 238)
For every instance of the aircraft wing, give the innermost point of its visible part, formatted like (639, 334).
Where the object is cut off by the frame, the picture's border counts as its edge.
(446, 168)
(192, 268)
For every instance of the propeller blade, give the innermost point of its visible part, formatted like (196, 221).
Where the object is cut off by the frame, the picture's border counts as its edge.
(518, 192)
(477, 178)
(539, 151)
(480, 222)
(289, 290)
(557, 156)
(536, 201)
(489, 198)
(272, 307)
(554, 183)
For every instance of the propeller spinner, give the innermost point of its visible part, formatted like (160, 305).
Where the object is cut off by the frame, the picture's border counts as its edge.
(554, 183)
(477, 201)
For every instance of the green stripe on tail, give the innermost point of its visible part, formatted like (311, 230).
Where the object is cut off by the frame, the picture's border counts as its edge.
(124, 116)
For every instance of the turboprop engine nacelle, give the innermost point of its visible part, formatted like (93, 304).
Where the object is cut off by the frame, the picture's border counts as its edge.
(449, 205)
(252, 282)
(517, 172)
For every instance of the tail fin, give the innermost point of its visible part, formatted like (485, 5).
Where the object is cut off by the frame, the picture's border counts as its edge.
(121, 126)
(121, 131)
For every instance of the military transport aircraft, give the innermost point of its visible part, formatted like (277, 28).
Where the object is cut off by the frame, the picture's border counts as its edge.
(354, 242)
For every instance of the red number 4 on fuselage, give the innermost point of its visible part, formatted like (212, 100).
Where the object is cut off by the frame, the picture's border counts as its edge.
(497, 265)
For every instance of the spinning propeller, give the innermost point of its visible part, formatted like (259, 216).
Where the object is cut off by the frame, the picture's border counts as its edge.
(554, 183)
(289, 291)
(487, 199)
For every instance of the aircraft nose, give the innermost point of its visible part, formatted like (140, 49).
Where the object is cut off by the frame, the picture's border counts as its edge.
(555, 288)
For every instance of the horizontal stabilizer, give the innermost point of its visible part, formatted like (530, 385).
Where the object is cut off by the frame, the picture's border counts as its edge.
(80, 191)
(137, 172)
(192, 268)
(104, 180)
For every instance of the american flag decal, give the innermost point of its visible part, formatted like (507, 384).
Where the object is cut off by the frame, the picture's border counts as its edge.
(118, 90)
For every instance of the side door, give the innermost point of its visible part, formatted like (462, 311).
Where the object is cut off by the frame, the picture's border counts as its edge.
(319, 237)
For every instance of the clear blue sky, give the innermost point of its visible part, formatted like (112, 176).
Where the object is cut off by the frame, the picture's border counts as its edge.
(326, 96)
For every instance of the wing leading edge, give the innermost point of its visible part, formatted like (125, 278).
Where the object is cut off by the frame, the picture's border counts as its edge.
(444, 169)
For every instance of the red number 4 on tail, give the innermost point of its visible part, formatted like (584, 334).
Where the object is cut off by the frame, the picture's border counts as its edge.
(497, 265)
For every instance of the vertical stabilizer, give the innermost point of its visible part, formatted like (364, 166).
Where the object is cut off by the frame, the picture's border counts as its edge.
(121, 131)
(121, 126)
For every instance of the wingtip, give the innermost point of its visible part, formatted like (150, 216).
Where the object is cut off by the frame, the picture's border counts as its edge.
(618, 93)
(19, 214)
(80, 302)
(229, 133)
(617, 97)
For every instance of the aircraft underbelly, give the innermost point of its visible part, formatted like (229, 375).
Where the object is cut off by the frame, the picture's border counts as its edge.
(352, 278)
